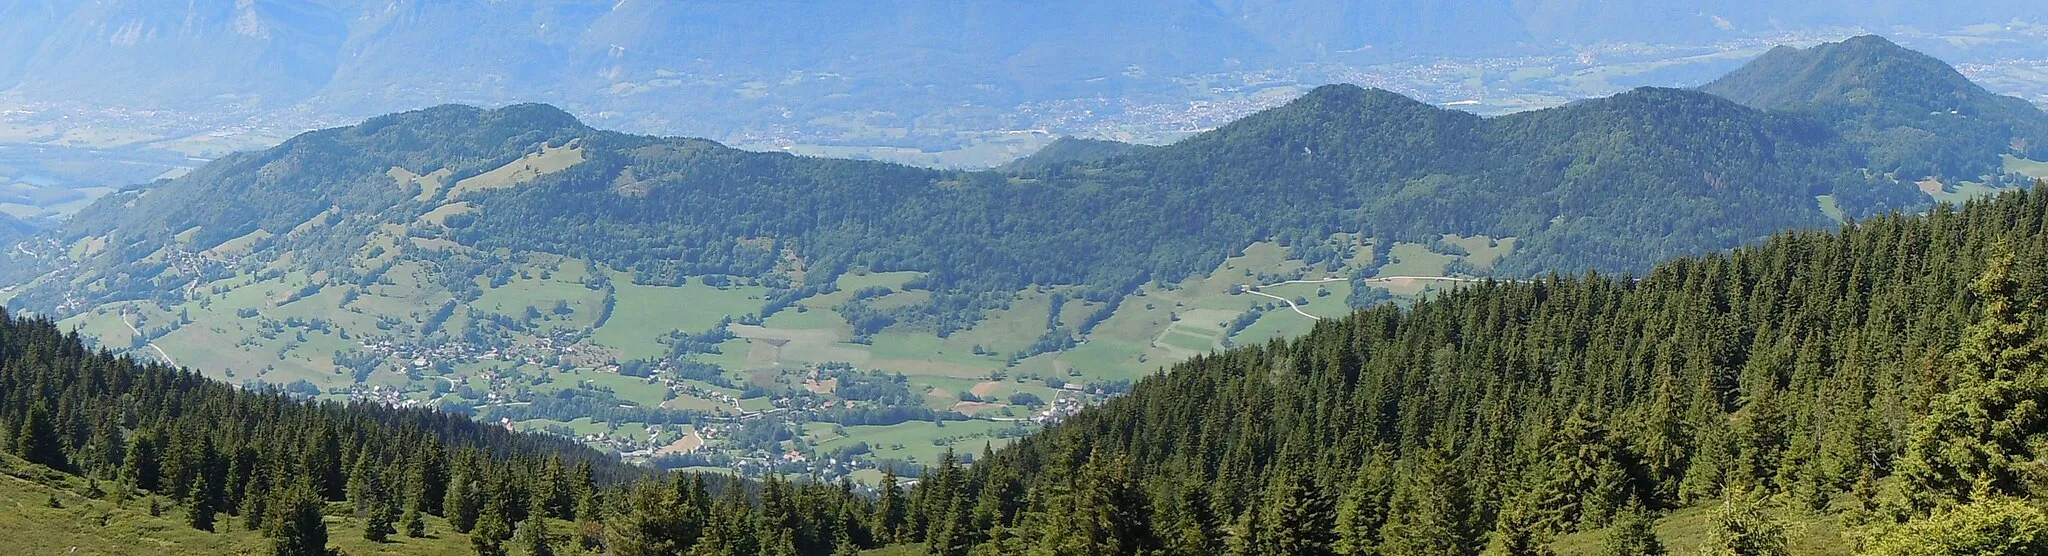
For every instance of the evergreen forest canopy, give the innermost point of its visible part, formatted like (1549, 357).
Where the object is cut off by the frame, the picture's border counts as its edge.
(1612, 184)
(1886, 377)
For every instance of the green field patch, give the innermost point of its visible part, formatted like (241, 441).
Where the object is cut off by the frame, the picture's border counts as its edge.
(515, 296)
(1683, 531)
(855, 281)
(1484, 251)
(771, 347)
(1108, 358)
(753, 405)
(1005, 331)
(1278, 323)
(439, 216)
(914, 441)
(693, 403)
(549, 160)
(900, 299)
(1181, 339)
(921, 353)
(636, 390)
(1957, 193)
(808, 319)
(1324, 306)
(644, 313)
(103, 325)
(1414, 259)
(1829, 207)
(1074, 311)
(238, 246)
(2030, 168)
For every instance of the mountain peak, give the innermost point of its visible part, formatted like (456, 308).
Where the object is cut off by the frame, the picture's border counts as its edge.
(1349, 95)
(1915, 114)
(1858, 70)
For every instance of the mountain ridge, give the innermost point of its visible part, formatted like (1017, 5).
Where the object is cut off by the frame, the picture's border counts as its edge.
(1364, 160)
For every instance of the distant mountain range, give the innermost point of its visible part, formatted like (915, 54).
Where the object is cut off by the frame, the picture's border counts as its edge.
(646, 57)
(1611, 184)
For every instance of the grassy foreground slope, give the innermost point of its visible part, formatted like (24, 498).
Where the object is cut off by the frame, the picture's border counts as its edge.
(82, 524)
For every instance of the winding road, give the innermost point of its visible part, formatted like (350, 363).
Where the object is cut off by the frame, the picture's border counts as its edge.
(1252, 289)
(1289, 302)
(152, 345)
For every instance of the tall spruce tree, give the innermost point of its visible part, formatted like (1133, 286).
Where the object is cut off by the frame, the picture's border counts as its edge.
(296, 527)
(38, 441)
(1431, 510)
(1979, 438)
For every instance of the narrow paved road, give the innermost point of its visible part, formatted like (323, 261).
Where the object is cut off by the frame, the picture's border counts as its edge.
(1297, 309)
(1289, 302)
(152, 345)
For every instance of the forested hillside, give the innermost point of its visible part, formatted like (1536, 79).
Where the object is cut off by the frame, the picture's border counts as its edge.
(1887, 373)
(1613, 184)
(1069, 150)
(13, 229)
(226, 461)
(1914, 114)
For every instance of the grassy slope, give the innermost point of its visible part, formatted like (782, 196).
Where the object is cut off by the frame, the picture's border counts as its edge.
(85, 526)
(1683, 530)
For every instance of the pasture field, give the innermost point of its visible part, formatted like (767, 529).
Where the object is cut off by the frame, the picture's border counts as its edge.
(2031, 168)
(923, 442)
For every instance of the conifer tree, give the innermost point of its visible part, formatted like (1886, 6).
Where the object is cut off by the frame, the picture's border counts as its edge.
(1978, 437)
(1741, 527)
(200, 513)
(38, 441)
(1187, 526)
(533, 536)
(464, 499)
(141, 469)
(324, 464)
(1362, 510)
(415, 525)
(382, 516)
(1516, 531)
(1428, 514)
(1297, 517)
(639, 527)
(203, 501)
(889, 510)
(296, 528)
(1632, 536)
(488, 537)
